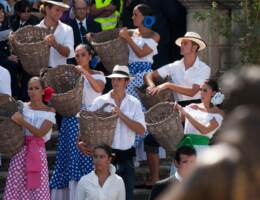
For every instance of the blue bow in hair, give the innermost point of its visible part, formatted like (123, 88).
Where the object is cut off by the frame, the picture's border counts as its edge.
(94, 61)
(149, 21)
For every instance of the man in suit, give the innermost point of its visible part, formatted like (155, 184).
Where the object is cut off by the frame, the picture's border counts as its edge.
(83, 22)
(184, 159)
(23, 16)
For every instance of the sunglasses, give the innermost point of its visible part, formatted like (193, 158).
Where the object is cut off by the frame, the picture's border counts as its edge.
(26, 11)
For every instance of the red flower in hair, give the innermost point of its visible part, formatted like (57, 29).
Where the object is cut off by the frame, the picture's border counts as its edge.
(48, 91)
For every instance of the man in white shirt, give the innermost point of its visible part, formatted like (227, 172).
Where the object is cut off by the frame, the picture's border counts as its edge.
(61, 39)
(187, 75)
(5, 81)
(130, 121)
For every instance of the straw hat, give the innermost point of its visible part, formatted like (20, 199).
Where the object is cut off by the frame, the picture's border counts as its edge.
(120, 71)
(57, 3)
(195, 37)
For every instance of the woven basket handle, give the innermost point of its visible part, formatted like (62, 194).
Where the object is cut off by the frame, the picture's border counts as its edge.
(20, 106)
(104, 106)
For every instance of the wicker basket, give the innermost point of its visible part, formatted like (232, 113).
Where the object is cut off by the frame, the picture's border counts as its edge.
(149, 100)
(111, 48)
(67, 83)
(165, 125)
(97, 127)
(28, 44)
(11, 135)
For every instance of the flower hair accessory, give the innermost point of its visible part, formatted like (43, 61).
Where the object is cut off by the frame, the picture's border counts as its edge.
(149, 21)
(94, 61)
(48, 91)
(217, 99)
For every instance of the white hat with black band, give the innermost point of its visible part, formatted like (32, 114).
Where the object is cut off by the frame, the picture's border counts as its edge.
(195, 37)
(57, 3)
(120, 71)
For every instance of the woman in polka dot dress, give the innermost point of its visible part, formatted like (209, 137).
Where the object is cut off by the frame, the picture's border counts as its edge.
(28, 170)
(142, 44)
(71, 164)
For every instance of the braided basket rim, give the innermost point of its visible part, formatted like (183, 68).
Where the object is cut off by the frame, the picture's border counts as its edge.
(157, 105)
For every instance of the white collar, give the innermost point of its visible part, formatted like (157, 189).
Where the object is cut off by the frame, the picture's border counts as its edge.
(83, 22)
(178, 176)
(195, 64)
(42, 24)
(22, 22)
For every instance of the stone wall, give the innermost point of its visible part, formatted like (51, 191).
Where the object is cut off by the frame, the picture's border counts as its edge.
(221, 54)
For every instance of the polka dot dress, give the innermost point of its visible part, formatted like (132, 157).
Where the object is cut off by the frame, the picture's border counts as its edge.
(137, 70)
(70, 164)
(16, 180)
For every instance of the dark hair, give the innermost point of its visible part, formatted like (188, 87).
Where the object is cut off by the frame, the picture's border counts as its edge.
(184, 150)
(95, 58)
(195, 44)
(2, 7)
(88, 3)
(145, 9)
(5, 23)
(39, 79)
(88, 48)
(20, 6)
(105, 147)
(212, 84)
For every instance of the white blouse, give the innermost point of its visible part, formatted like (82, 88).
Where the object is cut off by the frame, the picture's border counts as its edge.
(202, 117)
(89, 94)
(140, 42)
(36, 118)
(88, 187)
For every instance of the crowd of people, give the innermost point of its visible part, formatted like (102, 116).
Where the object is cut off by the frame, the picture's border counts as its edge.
(81, 172)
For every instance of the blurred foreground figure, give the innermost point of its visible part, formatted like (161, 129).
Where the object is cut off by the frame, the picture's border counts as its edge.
(230, 170)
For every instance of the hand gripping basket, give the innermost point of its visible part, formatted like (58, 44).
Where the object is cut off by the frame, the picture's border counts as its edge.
(149, 100)
(97, 127)
(28, 44)
(67, 83)
(11, 135)
(165, 125)
(111, 49)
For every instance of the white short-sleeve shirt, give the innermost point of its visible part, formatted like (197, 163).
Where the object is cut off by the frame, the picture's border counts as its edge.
(124, 137)
(197, 74)
(89, 94)
(36, 118)
(140, 42)
(64, 36)
(5, 81)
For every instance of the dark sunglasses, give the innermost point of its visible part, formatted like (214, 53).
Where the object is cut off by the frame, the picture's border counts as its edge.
(26, 11)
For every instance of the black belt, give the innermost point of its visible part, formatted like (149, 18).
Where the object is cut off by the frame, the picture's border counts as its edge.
(123, 155)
